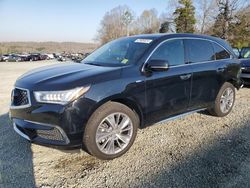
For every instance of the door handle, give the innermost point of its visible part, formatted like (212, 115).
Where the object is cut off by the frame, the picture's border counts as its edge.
(185, 76)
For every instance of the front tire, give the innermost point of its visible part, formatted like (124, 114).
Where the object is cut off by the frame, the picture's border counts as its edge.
(224, 101)
(110, 131)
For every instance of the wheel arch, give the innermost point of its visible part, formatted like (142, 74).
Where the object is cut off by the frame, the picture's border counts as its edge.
(132, 104)
(236, 83)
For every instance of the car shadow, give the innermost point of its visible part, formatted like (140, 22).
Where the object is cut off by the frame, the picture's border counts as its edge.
(16, 164)
(225, 162)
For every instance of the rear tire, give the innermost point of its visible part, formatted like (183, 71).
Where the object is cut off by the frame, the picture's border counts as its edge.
(224, 101)
(110, 131)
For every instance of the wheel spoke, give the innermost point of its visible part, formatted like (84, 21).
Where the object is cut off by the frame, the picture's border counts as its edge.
(118, 116)
(222, 97)
(111, 121)
(111, 146)
(119, 144)
(126, 129)
(123, 138)
(104, 144)
(104, 135)
(225, 108)
(124, 123)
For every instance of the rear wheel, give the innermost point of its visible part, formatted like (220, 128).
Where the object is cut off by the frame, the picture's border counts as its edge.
(110, 131)
(224, 101)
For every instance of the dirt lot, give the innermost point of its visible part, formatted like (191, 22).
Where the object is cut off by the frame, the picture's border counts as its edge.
(196, 151)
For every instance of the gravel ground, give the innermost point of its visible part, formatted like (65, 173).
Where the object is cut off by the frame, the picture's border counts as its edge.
(196, 151)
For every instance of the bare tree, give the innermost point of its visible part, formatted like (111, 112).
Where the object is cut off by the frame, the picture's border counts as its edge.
(227, 11)
(127, 19)
(115, 24)
(205, 14)
(148, 22)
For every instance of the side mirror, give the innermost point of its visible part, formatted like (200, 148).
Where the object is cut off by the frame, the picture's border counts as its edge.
(157, 65)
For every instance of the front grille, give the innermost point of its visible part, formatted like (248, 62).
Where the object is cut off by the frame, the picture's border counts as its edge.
(245, 69)
(53, 134)
(20, 97)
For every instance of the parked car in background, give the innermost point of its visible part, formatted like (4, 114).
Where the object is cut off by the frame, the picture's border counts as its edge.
(43, 57)
(50, 56)
(13, 58)
(24, 57)
(236, 51)
(245, 65)
(61, 58)
(34, 56)
(5, 57)
(128, 83)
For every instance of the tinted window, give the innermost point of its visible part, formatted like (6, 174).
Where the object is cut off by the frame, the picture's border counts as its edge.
(172, 51)
(199, 50)
(220, 53)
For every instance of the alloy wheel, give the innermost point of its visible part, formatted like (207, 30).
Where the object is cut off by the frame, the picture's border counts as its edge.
(227, 100)
(114, 133)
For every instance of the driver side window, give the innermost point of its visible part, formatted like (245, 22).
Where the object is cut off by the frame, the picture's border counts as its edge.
(171, 51)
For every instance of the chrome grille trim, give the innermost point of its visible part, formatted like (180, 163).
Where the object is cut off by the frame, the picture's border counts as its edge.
(21, 106)
(20, 133)
(66, 139)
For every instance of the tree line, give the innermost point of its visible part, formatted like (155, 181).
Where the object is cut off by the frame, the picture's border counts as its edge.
(227, 19)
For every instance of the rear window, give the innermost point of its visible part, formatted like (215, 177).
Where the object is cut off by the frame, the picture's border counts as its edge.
(220, 53)
(199, 50)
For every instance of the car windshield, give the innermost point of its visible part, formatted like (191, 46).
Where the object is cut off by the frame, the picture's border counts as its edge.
(119, 52)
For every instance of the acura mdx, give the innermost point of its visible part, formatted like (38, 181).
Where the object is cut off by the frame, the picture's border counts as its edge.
(126, 84)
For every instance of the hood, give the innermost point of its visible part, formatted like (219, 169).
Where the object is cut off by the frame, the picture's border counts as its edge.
(245, 62)
(66, 76)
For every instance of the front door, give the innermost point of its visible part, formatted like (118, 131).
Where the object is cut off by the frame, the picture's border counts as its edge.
(168, 92)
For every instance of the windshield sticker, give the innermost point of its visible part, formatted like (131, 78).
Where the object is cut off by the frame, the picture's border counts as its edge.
(145, 41)
(124, 61)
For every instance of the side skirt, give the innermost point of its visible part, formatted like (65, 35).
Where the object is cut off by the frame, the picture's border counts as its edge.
(179, 116)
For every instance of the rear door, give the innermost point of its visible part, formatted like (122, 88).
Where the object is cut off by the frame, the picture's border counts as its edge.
(206, 80)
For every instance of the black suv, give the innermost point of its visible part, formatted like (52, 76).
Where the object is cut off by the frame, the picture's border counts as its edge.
(126, 84)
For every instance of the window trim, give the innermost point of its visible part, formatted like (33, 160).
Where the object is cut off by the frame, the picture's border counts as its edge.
(182, 38)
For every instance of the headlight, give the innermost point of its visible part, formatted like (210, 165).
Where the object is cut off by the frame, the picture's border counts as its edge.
(60, 97)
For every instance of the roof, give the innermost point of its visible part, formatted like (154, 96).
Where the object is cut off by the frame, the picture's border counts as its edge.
(163, 36)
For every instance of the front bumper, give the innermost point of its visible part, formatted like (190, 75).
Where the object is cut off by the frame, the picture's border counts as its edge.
(40, 132)
(46, 134)
(52, 125)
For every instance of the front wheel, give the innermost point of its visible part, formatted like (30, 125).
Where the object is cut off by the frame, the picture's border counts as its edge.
(224, 101)
(110, 131)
